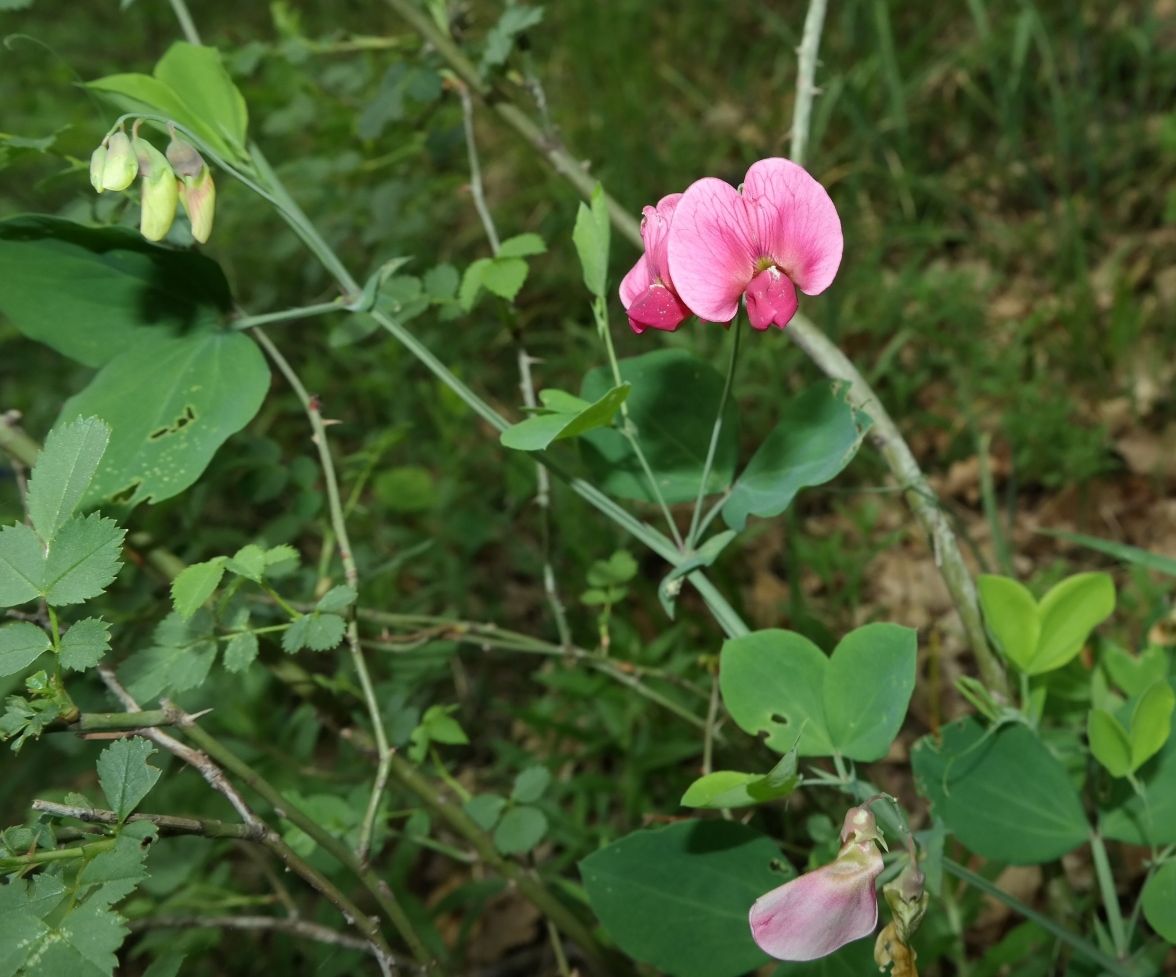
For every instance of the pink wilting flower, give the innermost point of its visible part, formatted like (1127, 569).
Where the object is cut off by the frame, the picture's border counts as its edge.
(647, 292)
(777, 233)
(813, 915)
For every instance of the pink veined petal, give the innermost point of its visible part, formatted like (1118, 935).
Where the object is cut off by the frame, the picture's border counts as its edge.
(794, 221)
(813, 915)
(655, 232)
(711, 250)
(771, 299)
(635, 283)
(658, 307)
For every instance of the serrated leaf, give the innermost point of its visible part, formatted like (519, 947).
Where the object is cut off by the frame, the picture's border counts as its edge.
(336, 600)
(277, 555)
(82, 944)
(21, 644)
(119, 871)
(591, 237)
(241, 651)
(316, 632)
(22, 565)
(248, 562)
(180, 658)
(504, 277)
(84, 644)
(195, 584)
(519, 830)
(84, 559)
(530, 784)
(521, 246)
(125, 775)
(63, 472)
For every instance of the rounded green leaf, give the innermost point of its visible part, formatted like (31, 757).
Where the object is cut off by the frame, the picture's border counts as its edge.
(1151, 722)
(1109, 742)
(1150, 819)
(1068, 613)
(1003, 794)
(1159, 901)
(171, 403)
(484, 809)
(530, 784)
(1010, 614)
(773, 682)
(197, 75)
(21, 644)
(677, 897)
(816, 437)
(673, 405)
(520, 829)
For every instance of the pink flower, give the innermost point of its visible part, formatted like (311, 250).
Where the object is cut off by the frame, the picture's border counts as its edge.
(779, 232)
(822, 910)
(647, 292)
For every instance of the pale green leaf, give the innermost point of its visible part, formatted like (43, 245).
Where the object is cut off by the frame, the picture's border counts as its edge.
(530, 785)
(1108, 742)
(336, 600)
(22, 565)
(125, 775)
(519, 830)
(21, 644)
(1010, 614)
(241, 651)
(84, 559)
(195, 584)
(1069, 612)
(316, 632)
(63, 472)
(521, 246)
(84, 644)
(591, 238)
(248, 562)
(1159, 901)
(1151, 722)
(539, 431)
(197, 75)
(504, 277)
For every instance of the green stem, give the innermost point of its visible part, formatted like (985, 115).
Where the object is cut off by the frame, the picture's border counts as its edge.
(1110, 898)
(111, 722)
(378, 889)
(1072, 940)
(526, 881)
(14, 863)
(716, 430)
(289, 315)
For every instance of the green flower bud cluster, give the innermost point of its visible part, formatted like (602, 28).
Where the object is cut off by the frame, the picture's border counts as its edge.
(179, 176)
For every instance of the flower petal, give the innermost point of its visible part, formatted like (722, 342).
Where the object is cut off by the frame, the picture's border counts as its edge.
(658, 307)
(794, 221)
(771, 299)
(636, 282)
(655, 231)
(711, 253)
(813, 915)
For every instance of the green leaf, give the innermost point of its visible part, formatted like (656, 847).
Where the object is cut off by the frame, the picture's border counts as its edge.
(521, 246)
(1151, 723)
(198, 76)
(852, 702)
(125, 775)
(1149, 819)
(520, 830)
(92, 293)
(63, 472)
(166, 965)
(119, 871)
(504, 277)
(317, 632)
(22, 565)
(437, 725)
(1134, 673)
(1120, 551)
(1010, 614)
(728, 788)
(179, 659)
(241, 651)
(171, 403)
(1109, 742)
(816, 437)
(195, 584)
(1159, 901)
(1003, 794)
(248, 562)
(590, 236)
(868, 686)
(485, 809)
(500, 40)
(773, 682)
(1069, 612)
(83, 560)
(677, 897)
(704, 556)
(84, 644)
(530, 785)
(336, 600)
(21, 644)
(81, 944)
(537, 432)
(672, 405)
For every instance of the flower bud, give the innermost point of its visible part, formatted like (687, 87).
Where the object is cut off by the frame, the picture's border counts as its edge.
(158, 193)
(119, 165)
(859, 825)
(197, 191)
(97, 165)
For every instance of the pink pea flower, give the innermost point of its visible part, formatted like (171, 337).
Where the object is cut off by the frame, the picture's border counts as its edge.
(647, 291)
(822, 910)
(778, 233)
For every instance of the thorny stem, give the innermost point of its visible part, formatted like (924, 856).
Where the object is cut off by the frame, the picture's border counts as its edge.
(302, 928)
(526, 382)
(339, 526)
(716, 430)
(810, 43)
